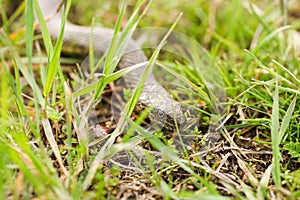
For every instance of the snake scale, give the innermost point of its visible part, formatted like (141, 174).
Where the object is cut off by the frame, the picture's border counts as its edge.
(164, 109)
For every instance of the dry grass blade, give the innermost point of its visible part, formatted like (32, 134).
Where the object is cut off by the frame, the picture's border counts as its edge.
(247, 172)
(49, 134)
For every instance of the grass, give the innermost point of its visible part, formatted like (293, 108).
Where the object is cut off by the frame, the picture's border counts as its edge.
(241, 82)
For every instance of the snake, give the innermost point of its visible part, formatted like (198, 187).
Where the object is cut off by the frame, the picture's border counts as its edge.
(165, 111)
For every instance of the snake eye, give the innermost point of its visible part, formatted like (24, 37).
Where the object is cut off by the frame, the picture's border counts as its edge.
(160, 114)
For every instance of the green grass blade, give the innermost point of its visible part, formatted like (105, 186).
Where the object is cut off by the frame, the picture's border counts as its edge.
(54, 61)
(4, 93)
(108, 68)
(276, 137)
(29, 31)
(287, 118)
(110, 63)
(4, 17)
(270, 37)
(43, 28)
(297, 80)
(109, 78)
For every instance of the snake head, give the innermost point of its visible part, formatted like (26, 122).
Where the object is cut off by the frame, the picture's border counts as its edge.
(166, 115)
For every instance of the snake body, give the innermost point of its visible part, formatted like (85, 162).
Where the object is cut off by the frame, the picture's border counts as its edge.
(165, 111)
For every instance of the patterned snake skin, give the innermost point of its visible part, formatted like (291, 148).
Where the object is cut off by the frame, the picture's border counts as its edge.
(163, 108)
